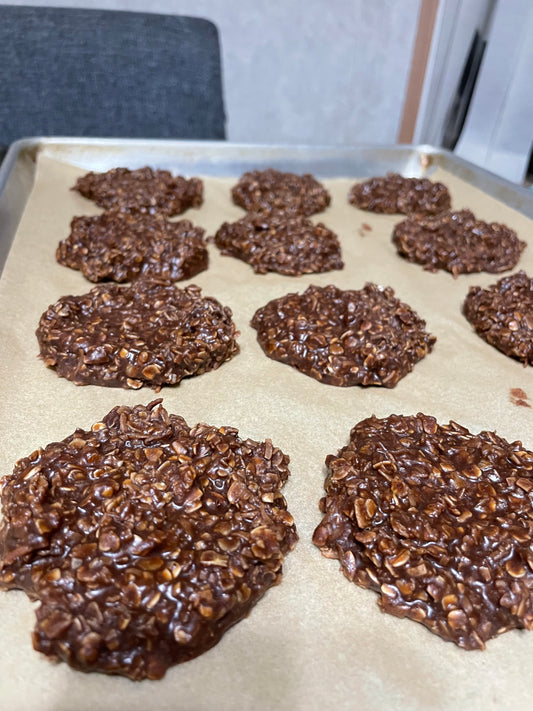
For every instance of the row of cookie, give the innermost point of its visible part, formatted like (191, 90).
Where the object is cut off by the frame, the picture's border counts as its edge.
(157, 334)
(122, 247)
(264, 191)
(154, 537)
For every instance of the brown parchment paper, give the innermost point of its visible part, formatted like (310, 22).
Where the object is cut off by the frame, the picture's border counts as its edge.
(316, 641)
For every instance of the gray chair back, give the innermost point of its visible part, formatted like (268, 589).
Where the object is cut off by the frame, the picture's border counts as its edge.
(76, 72)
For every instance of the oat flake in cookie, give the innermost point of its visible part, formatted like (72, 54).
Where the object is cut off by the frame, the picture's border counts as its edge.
(290, 245)
(129, 336)
(502, 315)
(395, 194)
(121, 246)
(436, 520)
(142, 190)
(143, 539)
(272, 190)
(365, 337)
(458, 243)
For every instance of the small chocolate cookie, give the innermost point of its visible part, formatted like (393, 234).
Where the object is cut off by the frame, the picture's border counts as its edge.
(502, 315)
(120, 246)
(436, 520)
(365, 337)
(141, 190)
(395, 194)
(457, 243)
(290, 245)
(143, 539)
(272, 190)
(144, 334)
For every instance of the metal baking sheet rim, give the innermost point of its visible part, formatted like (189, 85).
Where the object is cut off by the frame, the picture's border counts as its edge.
(220, 158)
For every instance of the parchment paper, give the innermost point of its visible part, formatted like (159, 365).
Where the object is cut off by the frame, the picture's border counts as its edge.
(316, 641)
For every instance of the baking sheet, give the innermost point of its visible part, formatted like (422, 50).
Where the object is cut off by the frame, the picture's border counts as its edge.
(316, 641)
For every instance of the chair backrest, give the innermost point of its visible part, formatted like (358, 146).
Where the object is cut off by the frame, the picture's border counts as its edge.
(76, 72)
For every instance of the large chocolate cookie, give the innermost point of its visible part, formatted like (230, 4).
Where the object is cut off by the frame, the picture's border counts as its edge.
(143, 539)
(290, 245)
(436, 520)
(144, 334)
(458, 243)
(141, 190)
(365, 337)
(121, 246)
(272, 190)
(502, 315)
(395, 194)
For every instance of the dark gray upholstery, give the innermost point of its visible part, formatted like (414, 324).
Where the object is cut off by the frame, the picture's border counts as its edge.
(75, 72)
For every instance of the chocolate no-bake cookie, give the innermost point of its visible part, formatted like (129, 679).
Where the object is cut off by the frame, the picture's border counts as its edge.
(129, 336)
(365, 337)
(502, 315)
(395, 194)
(287, 244)
(436, 520)
(458, 243)
(143, 539)
(273, 190)
(142, 190)
(121, 246)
